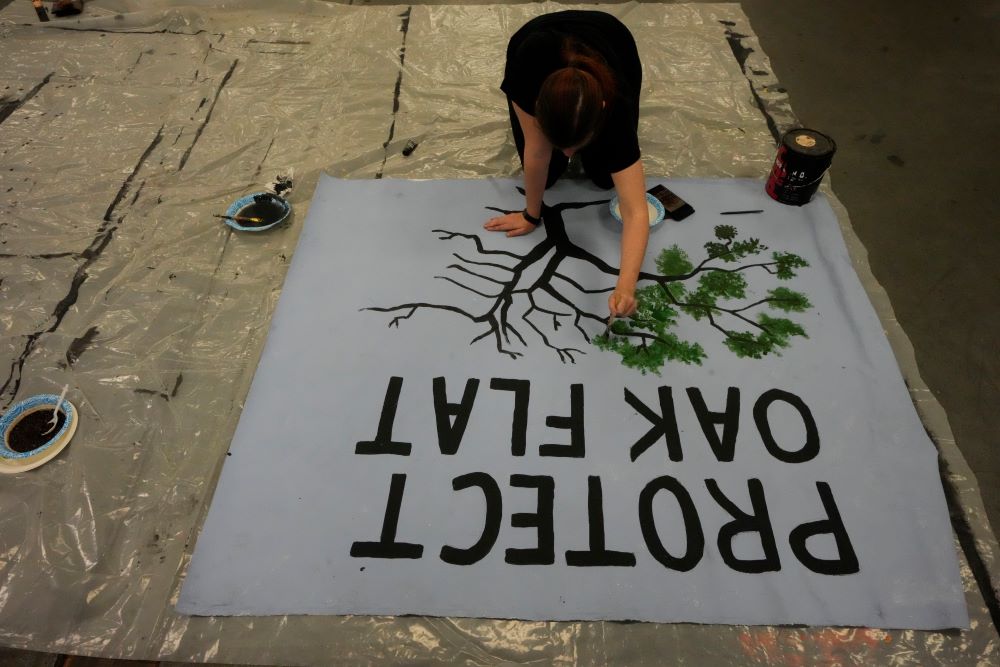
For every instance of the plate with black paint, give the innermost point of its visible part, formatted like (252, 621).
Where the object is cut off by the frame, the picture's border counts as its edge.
(268, 207)
(24, 445)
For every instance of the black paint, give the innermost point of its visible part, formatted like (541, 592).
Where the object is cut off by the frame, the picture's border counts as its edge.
(809, 450)
(208, 116)
(664, 425)
(491, 523)
(724, 446)
(268, 208)
(135, 170)
(383, 442)
(28, 432)
(260, 165)
(692, 525)
(757, 521)
(847, 562)
(10, 106)
(598, 555)
(541, 519)
(573, 423)
(519, 420)
(404, 27)
(80, 345)
(452, 418)
(387, 546)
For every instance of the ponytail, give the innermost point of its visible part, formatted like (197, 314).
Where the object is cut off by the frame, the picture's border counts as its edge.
(574, 100)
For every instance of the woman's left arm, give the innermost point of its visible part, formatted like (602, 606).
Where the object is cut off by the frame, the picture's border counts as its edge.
(630, 184)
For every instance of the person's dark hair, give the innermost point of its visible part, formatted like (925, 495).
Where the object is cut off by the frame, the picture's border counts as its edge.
(574, 100)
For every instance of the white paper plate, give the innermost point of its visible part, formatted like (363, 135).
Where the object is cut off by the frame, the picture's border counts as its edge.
(656, 212)
(10, 465)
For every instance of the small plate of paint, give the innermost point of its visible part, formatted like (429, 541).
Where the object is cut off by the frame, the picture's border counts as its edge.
(24, 444)
(257, 212)
(655, 206)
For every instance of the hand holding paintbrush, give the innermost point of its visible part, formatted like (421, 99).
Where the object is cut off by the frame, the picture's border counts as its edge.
(607, 329)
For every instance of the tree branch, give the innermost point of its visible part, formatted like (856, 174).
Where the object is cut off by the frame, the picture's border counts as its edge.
(414, 307)
(581, 287)
(475, 291)
(459, 267)
(469, 261)
(563, 352)
(767, 300)
(447, 236)
(708, 310)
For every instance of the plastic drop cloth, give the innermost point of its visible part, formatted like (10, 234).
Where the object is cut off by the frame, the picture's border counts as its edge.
(123, 131)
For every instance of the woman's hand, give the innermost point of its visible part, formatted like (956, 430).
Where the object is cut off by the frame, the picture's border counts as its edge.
(622, 302)
(513, 223)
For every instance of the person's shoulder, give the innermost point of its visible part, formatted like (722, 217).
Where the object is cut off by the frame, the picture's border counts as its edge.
(536, 49)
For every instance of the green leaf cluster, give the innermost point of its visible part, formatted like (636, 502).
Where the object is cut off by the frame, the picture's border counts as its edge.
(732, 249)
(673, 261)
(643, 341)
(788, 300)
(773, 335)
(787, 263)
(713, 287)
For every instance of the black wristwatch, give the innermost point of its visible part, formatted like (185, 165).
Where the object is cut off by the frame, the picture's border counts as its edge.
(530, 218)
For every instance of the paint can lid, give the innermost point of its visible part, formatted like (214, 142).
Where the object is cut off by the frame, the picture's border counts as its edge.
(809, 143)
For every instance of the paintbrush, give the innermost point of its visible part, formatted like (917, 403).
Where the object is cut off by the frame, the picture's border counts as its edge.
(607, 329)
(238, 218)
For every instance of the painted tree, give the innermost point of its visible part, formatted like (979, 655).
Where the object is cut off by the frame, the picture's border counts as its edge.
(714, 291)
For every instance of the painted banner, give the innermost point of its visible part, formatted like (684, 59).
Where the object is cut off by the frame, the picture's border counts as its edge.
(443, 423)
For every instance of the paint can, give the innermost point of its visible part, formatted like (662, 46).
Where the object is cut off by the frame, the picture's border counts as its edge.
(803, 157)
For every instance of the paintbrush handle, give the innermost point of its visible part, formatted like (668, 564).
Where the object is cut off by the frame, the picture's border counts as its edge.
(237, 218)
(59, 403)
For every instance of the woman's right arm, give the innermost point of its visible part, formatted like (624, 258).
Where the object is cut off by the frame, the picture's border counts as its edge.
(537, 153)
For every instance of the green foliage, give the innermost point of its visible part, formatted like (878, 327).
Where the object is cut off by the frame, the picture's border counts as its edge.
(723, 284)
(647, 353)
(673, 261)
(770, 338)
(725, 232)
(645, 342)
(786, 263)
(713, 287)
(731, 249)
(788, 300)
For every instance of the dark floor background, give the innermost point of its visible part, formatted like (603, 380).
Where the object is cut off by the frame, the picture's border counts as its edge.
(911, 93)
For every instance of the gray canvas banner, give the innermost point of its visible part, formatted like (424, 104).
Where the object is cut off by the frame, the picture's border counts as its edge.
(442, 424)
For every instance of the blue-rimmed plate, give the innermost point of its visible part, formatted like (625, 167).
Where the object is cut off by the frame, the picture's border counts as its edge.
(275, 208)
(656, 212)
(14, 462)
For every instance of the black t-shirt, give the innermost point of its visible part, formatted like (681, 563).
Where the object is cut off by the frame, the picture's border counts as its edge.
(535, 52)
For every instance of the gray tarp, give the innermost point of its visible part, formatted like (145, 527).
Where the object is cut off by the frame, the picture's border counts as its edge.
(114, 151)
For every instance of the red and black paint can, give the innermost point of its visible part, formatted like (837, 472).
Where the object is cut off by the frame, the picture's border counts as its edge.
(803, 157)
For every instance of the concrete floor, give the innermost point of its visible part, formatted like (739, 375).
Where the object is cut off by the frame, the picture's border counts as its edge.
(911, 94)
